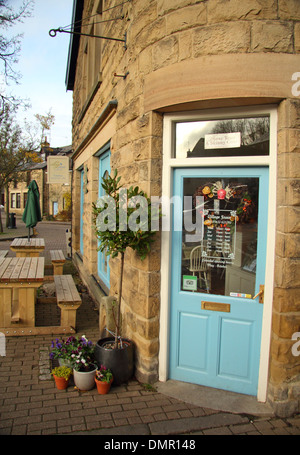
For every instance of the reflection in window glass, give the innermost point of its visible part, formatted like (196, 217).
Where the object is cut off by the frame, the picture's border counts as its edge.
(227, 137)
(223, 261)
(104, 256)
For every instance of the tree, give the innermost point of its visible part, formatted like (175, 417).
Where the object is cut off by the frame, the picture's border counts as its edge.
(122, 221)
(36, 131)
(45, 121)
(18, 147)
(15, 151)
(10, 46)
(251, 129)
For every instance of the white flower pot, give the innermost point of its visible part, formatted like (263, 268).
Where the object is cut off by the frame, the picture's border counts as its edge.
(84, 380)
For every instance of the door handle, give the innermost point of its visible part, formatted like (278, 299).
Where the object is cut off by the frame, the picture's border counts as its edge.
(260, 294)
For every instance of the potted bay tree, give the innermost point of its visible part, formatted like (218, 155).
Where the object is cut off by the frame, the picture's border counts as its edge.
(122, 220)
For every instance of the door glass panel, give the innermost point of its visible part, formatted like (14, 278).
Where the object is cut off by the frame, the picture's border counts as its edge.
(104, 256)
(226, 137)
(221, 257)
(103, 259)
(81, 209)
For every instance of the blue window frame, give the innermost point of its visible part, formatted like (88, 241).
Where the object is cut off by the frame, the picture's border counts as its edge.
(104, 168)
(81, 209)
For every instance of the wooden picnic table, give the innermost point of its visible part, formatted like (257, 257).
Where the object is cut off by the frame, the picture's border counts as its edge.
(19, 279)
(28, 248)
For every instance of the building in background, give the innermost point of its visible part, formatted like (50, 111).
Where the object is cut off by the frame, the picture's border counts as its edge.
(54, 198)
(197, 98)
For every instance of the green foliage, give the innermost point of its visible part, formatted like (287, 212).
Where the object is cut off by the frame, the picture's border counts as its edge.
(68, 200)
(79, 351)
(116, 235)
(115, 241)
(104, 374)
(16, 150)
(66, 213)
(149, 387)
(63, 215)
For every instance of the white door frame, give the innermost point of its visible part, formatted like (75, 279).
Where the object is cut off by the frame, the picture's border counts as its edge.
(169, 164)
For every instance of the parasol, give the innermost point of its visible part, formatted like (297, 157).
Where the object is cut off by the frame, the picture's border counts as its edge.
(32, 212)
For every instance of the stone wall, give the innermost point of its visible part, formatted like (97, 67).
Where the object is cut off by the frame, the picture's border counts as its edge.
(160, 35)
(49, 193)
(21, 188)
(285, 367)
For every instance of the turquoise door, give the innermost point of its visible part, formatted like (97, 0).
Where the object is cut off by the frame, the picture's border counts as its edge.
(215, 324)
(103, 260)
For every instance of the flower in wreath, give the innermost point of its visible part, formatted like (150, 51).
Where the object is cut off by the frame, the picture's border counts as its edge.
(246, 210)
(229, 192)
(207, 191)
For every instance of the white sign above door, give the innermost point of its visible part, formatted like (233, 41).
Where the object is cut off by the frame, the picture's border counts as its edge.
(222, 140)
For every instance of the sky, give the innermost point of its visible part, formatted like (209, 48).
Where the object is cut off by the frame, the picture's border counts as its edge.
(42, 63)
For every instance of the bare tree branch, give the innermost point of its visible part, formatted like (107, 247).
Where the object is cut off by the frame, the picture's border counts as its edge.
(10, 46)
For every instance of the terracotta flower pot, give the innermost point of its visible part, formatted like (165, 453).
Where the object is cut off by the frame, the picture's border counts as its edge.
(61, 383)
(103, 387)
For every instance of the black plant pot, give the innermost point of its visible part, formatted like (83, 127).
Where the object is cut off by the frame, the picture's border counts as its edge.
(120, 361)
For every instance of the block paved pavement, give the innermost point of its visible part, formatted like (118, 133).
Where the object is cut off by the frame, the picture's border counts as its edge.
(54, 233)
(30, 404)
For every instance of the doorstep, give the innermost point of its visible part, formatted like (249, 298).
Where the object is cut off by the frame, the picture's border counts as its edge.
(216, 399)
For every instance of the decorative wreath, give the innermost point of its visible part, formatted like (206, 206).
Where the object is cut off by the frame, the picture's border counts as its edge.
(246, 207)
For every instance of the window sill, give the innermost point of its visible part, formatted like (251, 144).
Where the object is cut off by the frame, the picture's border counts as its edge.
(78, 254)
(101, 285)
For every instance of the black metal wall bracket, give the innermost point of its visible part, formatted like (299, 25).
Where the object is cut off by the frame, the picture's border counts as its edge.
(53, 32)
(122, 75)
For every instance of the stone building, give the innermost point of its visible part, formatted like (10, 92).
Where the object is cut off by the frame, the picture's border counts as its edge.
(197, 98)
(52, 196)
(17, 191)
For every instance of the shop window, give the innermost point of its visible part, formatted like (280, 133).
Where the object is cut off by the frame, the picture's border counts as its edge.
(18, 200)
(223, 137)
(81, 210)
(91, 57)
(104, 171)
(13, 200)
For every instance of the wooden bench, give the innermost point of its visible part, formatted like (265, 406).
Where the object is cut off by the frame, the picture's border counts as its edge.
(68, 299)
(58, 260)
(3, 253)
